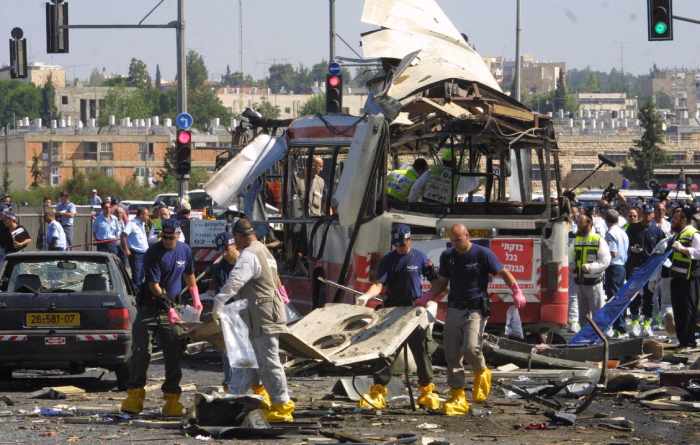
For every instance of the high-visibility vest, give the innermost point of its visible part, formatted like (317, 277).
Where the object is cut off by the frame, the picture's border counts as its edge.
(586, 251)
(439, 185)
(399, 183)
(681, 264)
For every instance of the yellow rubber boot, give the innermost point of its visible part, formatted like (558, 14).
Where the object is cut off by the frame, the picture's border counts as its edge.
(482, 385)
(259, 390)
(428, 399)
(457, 404)
(133, 404)
(376, 399)
(172, 406)
(280, 412)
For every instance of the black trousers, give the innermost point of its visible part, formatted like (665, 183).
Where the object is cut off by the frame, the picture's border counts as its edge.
(684, 299)
(645, 301)
(418, 344)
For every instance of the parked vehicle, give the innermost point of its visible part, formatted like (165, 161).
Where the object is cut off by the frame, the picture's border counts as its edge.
(66, 311)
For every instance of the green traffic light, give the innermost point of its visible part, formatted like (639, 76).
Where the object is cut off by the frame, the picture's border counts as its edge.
(660, 28)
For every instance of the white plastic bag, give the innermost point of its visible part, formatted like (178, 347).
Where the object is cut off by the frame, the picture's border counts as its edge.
(514, 327)
(188, 314)
(239, 349)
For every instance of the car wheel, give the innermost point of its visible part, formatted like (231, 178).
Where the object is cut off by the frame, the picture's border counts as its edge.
(5, 374)
(122, 373)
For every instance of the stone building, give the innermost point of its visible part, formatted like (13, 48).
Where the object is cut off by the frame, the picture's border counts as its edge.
(38, 74)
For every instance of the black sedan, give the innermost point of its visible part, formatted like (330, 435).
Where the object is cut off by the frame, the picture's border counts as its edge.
(66, 311)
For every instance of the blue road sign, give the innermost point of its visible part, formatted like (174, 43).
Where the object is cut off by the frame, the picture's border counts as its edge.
(184, 121)
(334, 68)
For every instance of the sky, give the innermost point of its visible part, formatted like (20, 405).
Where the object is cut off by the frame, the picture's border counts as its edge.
(598, 33)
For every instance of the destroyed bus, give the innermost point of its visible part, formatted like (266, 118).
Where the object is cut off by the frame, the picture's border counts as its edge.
(335, 217)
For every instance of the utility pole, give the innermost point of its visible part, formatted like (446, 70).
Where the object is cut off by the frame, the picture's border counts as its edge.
(240, 36)
(183, 180)
(516, 93)
(332, 30)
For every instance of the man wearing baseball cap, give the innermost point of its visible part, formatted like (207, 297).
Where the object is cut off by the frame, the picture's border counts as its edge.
(166, 264)
(400, 279)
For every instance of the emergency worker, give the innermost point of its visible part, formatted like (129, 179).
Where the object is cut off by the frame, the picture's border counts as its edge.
(254, 277)
(466, 267)
(685, 275)
(399, 276)
(399, 182)
(167, 264)
(436, 184)
(590, 259)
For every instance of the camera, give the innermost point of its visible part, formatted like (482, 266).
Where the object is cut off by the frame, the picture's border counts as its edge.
(610, 193)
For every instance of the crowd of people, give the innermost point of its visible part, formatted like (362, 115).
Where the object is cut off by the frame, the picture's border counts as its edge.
(610, 241)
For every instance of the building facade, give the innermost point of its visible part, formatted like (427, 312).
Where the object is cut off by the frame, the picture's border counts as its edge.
(38, 74)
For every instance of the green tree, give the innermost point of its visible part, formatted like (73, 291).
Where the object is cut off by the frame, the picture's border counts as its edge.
(122, 103)
(315, 105)
(116, 81)
(592, 83)
(36, 172)
(663, 100)
(205, 105)
(158, 77)
(138, 74)
(648, 153)
(282, 77)
(97, 78)
(48, 101)
(267, 110)
(236, 79)
(18, 100)
(197, 73)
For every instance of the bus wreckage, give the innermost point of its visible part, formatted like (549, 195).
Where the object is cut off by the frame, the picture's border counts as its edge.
(433, 92)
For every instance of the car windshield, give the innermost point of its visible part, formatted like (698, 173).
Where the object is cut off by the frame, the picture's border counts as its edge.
(199, 200)
(57, 275)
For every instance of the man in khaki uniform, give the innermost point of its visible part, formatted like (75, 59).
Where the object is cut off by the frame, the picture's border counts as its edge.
(315, 190)
(254, 277)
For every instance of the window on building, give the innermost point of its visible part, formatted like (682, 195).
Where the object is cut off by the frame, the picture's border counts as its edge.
(93, 109)
(64, 100)
(107, 171)
(616, 156)
(55, 176)
(582, 167)
(696, 156)
(89, 151)
(677, 156)
(146, 151)
(55, 150)
(106, 153)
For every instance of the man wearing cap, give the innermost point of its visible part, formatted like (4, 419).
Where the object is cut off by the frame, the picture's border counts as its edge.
(254, 277)
(65, 212)
(94, 199)
(162, 214)
(399, 277)
(436, 185)
(55, 236)
(106, 230)
(685, 275)
(167, 265)
(467, 267)
(18, 238)
(135, 244)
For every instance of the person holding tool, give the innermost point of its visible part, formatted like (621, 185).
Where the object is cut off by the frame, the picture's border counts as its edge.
(166, 264)
(466, 267)
(254, 277)
(399, 276)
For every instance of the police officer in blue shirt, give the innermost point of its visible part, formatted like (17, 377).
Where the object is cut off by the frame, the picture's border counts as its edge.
(166, 264)
(399, 277)
(65, 212)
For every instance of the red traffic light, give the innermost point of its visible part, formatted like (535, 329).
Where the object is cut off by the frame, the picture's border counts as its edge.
(184, 137)
(333, 81)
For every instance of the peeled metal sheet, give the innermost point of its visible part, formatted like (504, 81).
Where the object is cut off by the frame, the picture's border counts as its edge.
(241, 171)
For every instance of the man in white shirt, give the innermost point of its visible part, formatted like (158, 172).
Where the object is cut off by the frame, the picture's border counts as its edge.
(618, 243)
(55, 236)
(135, 244)
(660, 218)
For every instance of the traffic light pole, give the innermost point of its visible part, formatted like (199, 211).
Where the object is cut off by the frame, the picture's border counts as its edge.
(179, 27)
(686, 19)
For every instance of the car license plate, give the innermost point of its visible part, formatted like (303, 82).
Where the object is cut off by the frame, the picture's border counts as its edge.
(53, 319)
(54, 341)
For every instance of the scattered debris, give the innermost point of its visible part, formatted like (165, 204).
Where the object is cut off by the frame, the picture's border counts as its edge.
(678, 378)
(428, 426)
(56, 392)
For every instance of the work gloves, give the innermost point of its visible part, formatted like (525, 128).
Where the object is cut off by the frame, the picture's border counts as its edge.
(196, 302)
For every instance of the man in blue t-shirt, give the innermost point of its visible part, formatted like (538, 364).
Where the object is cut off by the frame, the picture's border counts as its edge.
(467, 267)
(400, 277)
(166, 264)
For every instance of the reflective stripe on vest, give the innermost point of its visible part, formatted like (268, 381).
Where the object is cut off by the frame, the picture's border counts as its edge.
(399, 183)
(681, 263)
(586, 251)
(439, 185)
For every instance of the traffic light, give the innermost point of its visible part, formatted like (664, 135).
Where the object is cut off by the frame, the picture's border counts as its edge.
(183, 152)
(18, 54)
(334, 93)
(660, 23)
(56, 27)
